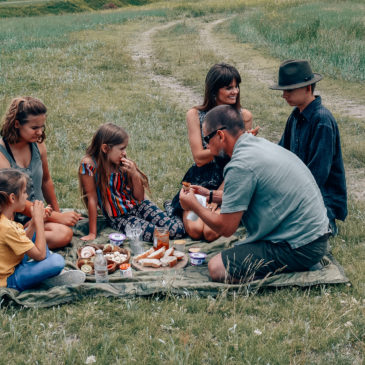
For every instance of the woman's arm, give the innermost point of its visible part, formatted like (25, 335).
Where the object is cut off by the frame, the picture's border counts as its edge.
(89, 188)
(38, 251)
(201, 156)
(47, 183)
(247, 118)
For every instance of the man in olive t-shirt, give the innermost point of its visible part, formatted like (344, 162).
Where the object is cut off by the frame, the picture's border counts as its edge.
(272, 192)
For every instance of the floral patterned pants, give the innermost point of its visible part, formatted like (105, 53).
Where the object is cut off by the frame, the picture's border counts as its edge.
(149, 216)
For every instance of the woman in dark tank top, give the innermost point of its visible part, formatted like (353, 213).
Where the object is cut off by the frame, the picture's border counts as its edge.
(22, 147)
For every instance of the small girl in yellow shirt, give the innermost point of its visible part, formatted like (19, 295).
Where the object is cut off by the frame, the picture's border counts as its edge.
(16, 245)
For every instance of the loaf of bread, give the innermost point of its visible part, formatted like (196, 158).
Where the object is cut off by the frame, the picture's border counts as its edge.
(169, 252)
(150, 262)
(157, 254)
(145, 254)
(169, 261)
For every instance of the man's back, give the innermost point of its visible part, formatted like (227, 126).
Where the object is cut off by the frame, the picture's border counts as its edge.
(279, 195)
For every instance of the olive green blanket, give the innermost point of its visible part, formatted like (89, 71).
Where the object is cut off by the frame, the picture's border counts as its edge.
(192, 280)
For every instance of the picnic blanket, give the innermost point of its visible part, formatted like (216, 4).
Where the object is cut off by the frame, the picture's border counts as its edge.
(192, 280)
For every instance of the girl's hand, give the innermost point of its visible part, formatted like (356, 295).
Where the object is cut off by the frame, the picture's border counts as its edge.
(47, 212)
(38, 211)
(129, 166)
(89, 237)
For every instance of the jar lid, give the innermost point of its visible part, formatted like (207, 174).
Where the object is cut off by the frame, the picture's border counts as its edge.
(125, 266)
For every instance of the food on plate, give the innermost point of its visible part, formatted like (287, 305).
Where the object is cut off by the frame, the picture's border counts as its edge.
(169, 261)
(169, 252)
(87, 252)
(179, 255)
(151, 262)
(186, 185)
(143, 255)
(116, 257)
(87, 269)
(157, 254)
(108, 248)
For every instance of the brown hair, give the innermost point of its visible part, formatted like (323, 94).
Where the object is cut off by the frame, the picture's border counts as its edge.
(11, 182)
(20, 109)
(219, 75)
(111, 135)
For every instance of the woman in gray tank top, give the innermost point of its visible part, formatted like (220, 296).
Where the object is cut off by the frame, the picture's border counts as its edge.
(22, 147)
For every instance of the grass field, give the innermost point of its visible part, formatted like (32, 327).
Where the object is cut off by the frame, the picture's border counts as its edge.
(91, 68)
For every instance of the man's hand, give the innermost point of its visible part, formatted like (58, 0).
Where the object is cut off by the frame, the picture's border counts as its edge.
(200, 190)
(188, 199)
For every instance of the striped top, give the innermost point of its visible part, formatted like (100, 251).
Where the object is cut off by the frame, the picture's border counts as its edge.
(119, 196)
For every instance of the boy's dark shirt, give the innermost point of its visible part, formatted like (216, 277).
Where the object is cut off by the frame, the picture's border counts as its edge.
(314, 137)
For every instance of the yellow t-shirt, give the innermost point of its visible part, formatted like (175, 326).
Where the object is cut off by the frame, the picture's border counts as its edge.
(13, 245)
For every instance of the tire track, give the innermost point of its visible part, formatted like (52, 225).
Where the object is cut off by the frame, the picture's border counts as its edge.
(142, 54)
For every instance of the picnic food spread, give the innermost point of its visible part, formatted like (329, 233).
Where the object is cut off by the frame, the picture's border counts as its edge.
(159, 259)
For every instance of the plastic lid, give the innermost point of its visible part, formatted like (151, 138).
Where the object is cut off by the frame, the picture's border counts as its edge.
(124, 266)
(99, 251)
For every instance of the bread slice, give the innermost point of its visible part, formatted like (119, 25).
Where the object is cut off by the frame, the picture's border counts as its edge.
(169, 252)
(179, 255)
(150, 262)
(169, 261)
(144, 254)
(157, 254)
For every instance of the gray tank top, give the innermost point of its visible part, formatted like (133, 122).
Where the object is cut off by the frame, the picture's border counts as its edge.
(34, 171)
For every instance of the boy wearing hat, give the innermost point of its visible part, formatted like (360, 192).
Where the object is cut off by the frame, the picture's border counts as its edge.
(311, 132)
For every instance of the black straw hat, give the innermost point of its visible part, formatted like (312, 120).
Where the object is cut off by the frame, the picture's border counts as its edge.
(294, 74)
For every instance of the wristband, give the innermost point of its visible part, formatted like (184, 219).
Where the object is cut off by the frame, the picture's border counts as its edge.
(210, 196)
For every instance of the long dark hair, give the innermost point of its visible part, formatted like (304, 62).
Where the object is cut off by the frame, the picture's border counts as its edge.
(219, 75)
(20, 109)
(11, 182)
(111, 135)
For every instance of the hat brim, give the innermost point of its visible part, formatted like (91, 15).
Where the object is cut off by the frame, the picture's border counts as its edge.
(316, 78)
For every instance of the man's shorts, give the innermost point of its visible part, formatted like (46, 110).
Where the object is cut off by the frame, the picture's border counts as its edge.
(255, 260)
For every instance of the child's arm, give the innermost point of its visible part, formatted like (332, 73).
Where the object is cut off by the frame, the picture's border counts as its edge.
(38, 252)
(137, 187)
(89, 188)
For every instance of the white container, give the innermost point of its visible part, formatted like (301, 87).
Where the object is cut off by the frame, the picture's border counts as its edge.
(197, 258)
(116, 239)
(125, 270)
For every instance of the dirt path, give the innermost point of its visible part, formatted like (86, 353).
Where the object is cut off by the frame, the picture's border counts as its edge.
(142, 54)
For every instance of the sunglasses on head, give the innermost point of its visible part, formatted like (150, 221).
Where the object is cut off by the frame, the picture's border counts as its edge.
(209, 136)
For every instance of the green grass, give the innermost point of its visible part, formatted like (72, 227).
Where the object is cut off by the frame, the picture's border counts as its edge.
(329, 34)
(42, 7)
(81, 67)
